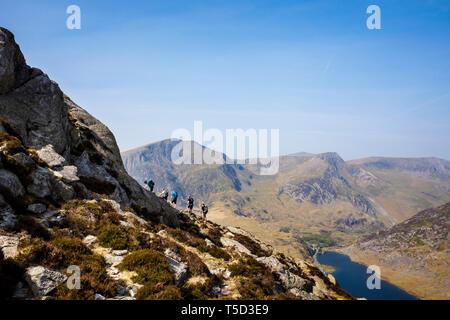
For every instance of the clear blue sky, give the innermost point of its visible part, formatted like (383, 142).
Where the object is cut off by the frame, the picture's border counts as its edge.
(310, 68)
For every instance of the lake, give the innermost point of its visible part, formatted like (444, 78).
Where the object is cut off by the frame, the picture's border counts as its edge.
(352, 277)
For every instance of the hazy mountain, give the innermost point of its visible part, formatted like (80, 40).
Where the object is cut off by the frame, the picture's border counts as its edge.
(413, 254)
(318, 197)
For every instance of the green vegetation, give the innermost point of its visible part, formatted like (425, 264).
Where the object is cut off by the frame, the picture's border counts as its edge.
(255, 281)
(214, 251)
(251, 245)
(32, 225)
(117, 237)
(151, 267)
(154, 273)
(198, 291)
(323, 239)
(10, 144)
(62, 252)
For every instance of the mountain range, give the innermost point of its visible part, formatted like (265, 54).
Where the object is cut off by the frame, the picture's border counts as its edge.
(319, 198)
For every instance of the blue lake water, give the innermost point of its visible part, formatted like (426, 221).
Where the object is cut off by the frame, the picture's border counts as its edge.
(352, 277)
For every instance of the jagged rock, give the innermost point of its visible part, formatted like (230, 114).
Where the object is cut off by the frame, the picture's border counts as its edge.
(51, 157)
(41, 181)
(266, 248)
(134, 289)
(288, 279)
(10, 184)
(62, 191)
(179, 270)
(47, 120)
(42, 281)
(37, 208)
(9, 246)
(303, 294)
(99, 297)
(13, 70)
(7, 215)
(169, 253)
(112, 259)
(89, 241)
(67, 174)
(24, 160)
(237, 245)
(119, 252)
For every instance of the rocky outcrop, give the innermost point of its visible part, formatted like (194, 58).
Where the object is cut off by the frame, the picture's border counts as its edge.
(42, 280)
(76, 153)
(414, 249)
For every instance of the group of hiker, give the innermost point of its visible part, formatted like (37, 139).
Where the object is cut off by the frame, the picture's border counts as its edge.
(149, 185)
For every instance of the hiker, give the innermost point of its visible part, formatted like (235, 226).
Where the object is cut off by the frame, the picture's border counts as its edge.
(150, 185)
(174, 198)
(204, 208)
(190, 201)
(146, 187)
(164, 194)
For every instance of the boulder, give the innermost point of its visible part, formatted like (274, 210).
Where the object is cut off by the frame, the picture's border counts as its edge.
(51, 157)
(24, 160)
(37, 208)
(62, 191)
(236, 245)
(10, 184)
(287, 278)
(179, 270)
(89, 241)
(42, 280)
(67, 174)
(9, 246)
(41, 183)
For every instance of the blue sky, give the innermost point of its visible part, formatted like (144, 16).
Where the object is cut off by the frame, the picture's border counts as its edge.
(310, 68)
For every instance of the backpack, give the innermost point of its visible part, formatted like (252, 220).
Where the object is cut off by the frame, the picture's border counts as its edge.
(205, 209)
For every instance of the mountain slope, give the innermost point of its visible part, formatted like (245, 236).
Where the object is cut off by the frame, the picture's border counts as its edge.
(413, 254)
(67, 206)
(315, 197)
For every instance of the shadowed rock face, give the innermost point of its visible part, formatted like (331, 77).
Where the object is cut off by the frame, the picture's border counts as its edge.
(77, 153)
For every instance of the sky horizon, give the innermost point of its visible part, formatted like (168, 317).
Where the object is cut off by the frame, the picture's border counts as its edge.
(309, 68)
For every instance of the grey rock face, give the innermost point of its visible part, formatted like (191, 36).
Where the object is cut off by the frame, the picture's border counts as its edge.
(42, 281)
(237, 245)
(13, 70)
(81, 151)
(41, 183)
(50, 157)
(24, 160)
(179, 270)
(67, 174)
(37, 208)
(10, 184)
(9, 245)
(288, 279)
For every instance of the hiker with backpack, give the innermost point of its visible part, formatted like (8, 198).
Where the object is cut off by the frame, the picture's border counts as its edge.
(174, 198)
(150, 185)
(190, 205)
(164, 194)
(204, 208)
